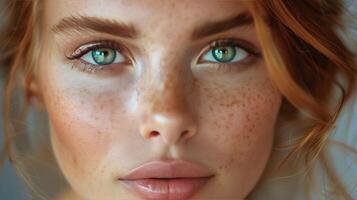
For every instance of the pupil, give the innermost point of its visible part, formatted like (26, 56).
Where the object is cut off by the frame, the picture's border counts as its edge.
(223, 51)
(224, 54)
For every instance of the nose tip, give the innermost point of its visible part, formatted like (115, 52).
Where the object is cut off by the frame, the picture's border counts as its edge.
(171, 128)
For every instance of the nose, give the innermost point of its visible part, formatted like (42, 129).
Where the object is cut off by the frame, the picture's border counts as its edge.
(166, 112)
(171, 127)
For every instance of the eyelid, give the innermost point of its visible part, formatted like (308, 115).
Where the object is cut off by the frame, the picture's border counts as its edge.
(85, 48)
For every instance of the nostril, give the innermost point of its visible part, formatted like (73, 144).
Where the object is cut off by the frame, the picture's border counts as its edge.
(154, 134)
(184, 133)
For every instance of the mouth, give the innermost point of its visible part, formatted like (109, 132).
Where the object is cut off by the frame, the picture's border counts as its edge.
(161, 180)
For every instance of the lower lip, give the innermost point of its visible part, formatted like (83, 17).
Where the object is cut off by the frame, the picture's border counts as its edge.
(166, 189)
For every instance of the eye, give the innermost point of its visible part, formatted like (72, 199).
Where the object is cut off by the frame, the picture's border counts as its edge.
(103, 56)
(225, 54)
(229, 52)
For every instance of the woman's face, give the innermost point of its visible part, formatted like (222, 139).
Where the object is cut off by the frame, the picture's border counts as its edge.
(179, 88)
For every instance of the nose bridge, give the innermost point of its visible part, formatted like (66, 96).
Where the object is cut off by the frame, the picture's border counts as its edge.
(165, 108)
(169, 92)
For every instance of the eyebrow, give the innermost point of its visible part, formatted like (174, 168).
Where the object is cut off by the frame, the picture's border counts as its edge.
(211, 28)
(96, 24)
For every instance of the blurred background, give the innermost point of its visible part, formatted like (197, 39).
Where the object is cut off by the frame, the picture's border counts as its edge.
(12, 188)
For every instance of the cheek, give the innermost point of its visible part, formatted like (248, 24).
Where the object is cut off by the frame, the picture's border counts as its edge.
(85, 114)
(241, 125)
(81, 123)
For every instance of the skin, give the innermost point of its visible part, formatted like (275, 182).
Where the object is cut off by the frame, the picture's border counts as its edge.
(101, 122)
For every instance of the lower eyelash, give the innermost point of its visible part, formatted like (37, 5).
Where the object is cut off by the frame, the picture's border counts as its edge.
(83, 66)
(224, 68)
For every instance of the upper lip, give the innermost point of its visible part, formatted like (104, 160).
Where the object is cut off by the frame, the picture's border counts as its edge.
(168, 169)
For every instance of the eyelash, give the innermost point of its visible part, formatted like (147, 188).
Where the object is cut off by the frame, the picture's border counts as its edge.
(91, 68)
(253, 53)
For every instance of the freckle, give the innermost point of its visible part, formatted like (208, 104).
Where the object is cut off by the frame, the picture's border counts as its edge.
(95, 117)
(217, 124)
(102, 105)
(230, 162)
(211, 108)
(74, 160)
(216, 137)
(248, 118)
(195, 83)
(231, 115)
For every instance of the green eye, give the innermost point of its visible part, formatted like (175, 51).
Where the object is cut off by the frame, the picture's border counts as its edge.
(103, 56)
(224, 54)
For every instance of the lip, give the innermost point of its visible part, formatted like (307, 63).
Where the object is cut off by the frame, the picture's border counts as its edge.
(169, 180)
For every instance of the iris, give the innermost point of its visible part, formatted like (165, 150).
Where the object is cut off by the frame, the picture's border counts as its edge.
(104, 56)
(224, 54)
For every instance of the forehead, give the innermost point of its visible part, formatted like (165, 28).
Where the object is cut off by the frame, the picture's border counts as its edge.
(146, 13)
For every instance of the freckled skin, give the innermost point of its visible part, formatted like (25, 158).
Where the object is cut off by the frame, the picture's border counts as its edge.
(101, 125)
